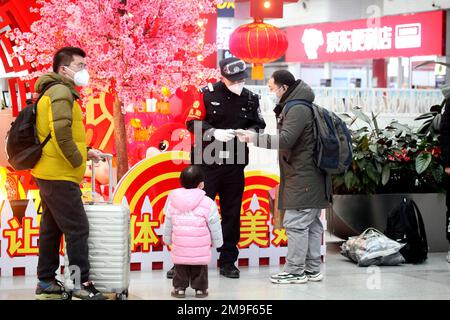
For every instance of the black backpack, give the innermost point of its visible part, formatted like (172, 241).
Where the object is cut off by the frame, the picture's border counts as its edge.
(22, 143)
(405, 225)
(333, 152)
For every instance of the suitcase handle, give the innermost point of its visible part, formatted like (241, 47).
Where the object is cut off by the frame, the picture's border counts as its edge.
(108, 157)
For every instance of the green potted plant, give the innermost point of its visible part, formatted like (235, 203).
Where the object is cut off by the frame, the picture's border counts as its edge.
(3, 105)
(388, 164)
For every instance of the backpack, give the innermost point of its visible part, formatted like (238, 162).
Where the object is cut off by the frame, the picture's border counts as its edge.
(405, 225)
(23, 148)
(333, 151)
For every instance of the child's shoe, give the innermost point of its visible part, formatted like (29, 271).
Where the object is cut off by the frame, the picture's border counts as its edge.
(201, 293)
(178, 293)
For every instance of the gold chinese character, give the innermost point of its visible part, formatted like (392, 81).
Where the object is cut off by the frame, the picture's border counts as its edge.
(254, 229)
(142, 232)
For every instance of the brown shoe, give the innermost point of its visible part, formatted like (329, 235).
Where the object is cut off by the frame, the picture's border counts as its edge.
(178, 293)
(201, 293)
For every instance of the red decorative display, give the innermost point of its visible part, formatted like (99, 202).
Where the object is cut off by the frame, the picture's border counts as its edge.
(258, 43)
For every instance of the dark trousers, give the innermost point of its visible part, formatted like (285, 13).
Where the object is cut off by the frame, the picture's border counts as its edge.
(228, 182)
(448, 225)
(447, 201)
(196, 276)
(62, 213)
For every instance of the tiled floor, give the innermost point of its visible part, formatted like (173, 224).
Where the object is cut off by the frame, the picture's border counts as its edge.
(343, 280)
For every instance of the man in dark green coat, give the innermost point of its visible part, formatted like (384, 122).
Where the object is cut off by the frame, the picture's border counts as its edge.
(302, 192)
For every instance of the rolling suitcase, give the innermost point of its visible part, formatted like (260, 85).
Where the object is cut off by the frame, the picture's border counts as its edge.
(109, 243)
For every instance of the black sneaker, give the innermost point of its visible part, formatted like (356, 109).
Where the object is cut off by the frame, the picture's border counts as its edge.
(229, 271)
(51, 290)
(171, 273)
(87, 292)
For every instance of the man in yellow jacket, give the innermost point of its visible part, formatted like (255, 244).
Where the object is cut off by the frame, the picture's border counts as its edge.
(59, 173)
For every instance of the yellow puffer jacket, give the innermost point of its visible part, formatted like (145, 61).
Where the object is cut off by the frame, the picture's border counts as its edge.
(58, 113)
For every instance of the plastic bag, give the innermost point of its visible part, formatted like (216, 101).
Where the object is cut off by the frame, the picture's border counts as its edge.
(372, 247)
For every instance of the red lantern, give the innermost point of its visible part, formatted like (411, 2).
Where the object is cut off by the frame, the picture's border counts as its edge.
(258, 43)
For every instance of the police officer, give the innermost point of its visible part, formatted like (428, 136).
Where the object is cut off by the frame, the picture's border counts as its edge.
(227, 106)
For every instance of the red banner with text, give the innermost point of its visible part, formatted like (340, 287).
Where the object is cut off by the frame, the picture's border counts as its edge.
(391, 36)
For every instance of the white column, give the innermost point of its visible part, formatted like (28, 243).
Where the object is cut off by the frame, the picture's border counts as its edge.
(327, 71)
(400, 73)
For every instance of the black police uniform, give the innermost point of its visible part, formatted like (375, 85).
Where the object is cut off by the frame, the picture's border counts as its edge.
(224, 163)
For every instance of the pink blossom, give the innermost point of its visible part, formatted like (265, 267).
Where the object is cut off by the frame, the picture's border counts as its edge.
(142, 46)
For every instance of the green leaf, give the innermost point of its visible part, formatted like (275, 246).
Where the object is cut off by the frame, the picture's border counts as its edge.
(373, 148)
(364, 144)
(348, 179)
(381, 149)
(346, 117)
(375, 124)
(361, 115)
(386, 174)
(423, 161)
(400, 127)
(362, 130)
(423, 129)
(388, 134)
(437, 108)
(438, 174)
(426, 116)
(379, 167)
(372, 172)
(362, 164)
(359, 156)
(338, 180)
(367, 182)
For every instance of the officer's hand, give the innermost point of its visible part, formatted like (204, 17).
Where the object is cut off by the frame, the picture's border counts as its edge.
(447, 170)
(224, 135)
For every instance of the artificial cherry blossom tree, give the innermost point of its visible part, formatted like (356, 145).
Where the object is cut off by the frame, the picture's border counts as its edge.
(134, 47)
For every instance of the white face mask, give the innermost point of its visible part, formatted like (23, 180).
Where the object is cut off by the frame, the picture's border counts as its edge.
(274, 98)
(237, 88)
(80, 78)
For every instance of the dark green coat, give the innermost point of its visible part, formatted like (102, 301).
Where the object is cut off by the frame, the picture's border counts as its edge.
(302, 185)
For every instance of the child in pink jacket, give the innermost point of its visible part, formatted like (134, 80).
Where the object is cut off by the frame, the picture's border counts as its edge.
(192, 225)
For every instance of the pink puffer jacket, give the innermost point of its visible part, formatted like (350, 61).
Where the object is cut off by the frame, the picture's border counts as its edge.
(192, 225)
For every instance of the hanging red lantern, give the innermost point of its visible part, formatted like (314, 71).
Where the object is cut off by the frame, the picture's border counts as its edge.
(258, 43)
